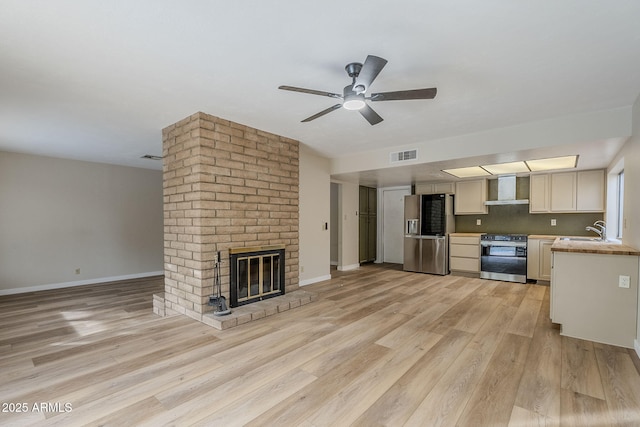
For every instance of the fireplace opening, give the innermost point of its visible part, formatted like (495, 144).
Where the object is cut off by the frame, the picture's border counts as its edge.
(256, 273)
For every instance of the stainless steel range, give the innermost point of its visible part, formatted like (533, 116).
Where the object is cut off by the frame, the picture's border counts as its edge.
(504, 257)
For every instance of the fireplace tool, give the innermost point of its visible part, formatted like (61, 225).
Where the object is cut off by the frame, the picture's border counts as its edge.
(218, 302)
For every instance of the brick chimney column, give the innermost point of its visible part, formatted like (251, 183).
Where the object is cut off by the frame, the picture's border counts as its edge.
(225, 185)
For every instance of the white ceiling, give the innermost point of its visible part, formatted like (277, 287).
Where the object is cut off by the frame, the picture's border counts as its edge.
(98, 80)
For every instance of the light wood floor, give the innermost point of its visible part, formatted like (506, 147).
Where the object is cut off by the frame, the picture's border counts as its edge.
(378, 347)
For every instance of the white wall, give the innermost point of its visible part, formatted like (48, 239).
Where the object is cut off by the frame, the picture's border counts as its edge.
(629, 156)
(314, 213)
(60, 215)
(630, 153)
(349, 205)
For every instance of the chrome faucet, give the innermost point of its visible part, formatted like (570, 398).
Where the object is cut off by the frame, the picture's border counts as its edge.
(601, 230)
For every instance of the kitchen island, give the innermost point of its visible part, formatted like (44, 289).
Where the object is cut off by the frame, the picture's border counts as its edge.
(594, 290)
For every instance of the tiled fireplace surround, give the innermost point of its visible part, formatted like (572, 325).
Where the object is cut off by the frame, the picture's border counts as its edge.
(226, 185)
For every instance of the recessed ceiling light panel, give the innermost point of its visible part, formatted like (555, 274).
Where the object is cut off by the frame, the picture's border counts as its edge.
(565, 162)
(506, 168)
(469, 172)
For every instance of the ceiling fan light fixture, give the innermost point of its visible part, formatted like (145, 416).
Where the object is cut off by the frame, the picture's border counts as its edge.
(354, 102)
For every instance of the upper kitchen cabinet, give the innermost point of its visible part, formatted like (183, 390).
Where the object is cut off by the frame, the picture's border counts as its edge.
(581, 191)
(539, 193)
(471, 197)
(435, 188)
(590, 194)
(563, 192)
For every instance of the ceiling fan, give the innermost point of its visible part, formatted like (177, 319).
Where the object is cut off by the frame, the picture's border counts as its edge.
(353, 96)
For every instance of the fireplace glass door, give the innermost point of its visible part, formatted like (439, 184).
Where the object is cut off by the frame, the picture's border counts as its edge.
(258, 275)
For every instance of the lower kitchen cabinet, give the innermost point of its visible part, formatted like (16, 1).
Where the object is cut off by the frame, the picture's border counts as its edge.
(539, 259)
(464, 253)
(588, 301)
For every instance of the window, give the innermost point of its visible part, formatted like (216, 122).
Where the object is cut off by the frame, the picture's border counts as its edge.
(620, 204)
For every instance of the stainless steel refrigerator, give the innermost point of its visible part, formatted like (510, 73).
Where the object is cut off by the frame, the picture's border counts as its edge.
(428, 220)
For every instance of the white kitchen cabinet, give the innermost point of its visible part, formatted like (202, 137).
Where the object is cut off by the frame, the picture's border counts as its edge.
(435, 188)
(571, 192)
(539, 193)
(563, 192)
(539, 259)
(464, 254)
(590, 191)
(587, 301)
(470, 197)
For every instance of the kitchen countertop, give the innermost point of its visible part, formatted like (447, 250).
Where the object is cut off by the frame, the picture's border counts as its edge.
(466, 234)
(544, 236)
(593, 247)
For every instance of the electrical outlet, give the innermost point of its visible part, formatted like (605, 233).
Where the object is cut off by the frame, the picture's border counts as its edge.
(478, 221)
(624, 281)
(77, 271)
(553, 222)
(302, 269)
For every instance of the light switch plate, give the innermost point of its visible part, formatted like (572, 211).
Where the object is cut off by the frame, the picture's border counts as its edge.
(478, 221)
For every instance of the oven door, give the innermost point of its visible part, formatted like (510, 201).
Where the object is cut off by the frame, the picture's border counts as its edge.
(504, 261)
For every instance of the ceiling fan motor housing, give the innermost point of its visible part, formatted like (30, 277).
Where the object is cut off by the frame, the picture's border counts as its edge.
(352, 100)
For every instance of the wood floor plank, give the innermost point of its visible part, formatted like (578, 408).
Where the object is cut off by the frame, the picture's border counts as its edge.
(621, 384)
(369, 386)
(398, 336)
(397, 403)
(580, 372)
(480, 309)
(295, 409)
(446, 401)
(523, 417)
(524, 322)
(244, 410)
(579, 410)
(536, 291)
(492, 400)
(539, 390)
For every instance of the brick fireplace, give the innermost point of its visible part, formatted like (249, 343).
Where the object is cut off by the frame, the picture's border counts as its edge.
(226, 186)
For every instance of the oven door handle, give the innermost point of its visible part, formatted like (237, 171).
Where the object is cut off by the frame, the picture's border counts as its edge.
(509, 244)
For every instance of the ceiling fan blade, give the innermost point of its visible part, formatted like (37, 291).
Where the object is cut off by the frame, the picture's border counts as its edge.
(311, 91)
(370, 70)
(322, 113)
(405, 94)
(372, 117)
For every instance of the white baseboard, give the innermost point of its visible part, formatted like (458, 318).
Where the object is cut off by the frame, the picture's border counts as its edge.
(314, 280)
(97, 281)
(333, 263)
(349, 267)
(636, 346)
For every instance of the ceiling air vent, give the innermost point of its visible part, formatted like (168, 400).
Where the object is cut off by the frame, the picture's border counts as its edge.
(403, 156)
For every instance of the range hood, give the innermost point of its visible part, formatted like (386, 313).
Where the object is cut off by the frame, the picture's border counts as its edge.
(507, 192)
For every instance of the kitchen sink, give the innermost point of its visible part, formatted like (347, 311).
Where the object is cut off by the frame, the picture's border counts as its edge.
(582, 239)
